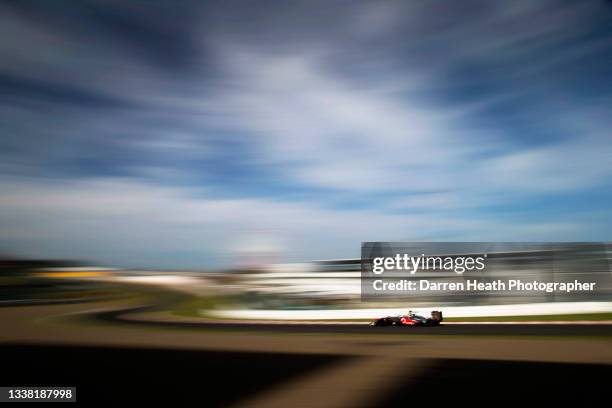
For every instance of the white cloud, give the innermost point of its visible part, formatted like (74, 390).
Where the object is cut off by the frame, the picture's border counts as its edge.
(340, 133)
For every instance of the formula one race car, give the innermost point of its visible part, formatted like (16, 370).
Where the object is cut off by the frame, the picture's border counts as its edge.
(410, 319)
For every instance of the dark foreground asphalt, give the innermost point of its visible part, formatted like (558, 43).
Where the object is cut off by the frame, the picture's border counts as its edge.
(119, 316)
(115, 376)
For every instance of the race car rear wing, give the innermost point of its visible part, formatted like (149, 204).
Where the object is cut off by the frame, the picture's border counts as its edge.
(436, 315)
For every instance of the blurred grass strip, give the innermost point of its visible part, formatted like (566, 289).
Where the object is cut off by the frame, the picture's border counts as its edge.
(196, 306)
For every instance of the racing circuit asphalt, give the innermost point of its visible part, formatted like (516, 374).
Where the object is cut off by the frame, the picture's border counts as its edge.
(127, 316)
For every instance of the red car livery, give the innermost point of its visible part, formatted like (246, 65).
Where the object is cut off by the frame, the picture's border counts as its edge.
(410, 319)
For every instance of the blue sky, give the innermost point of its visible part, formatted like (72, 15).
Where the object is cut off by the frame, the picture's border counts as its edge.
(190, 134)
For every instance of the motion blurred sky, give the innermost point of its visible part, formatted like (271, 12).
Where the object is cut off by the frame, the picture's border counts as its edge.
(175, 133)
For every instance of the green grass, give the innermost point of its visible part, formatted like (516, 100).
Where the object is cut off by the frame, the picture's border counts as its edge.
(196, 306)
